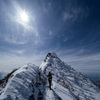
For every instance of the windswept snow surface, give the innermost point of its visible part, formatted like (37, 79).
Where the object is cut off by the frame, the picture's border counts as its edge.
(78, 86)
(58, 92)
(21, 85)
(67, 84)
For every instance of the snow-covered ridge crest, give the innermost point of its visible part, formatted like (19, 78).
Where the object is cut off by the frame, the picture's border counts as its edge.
(20, 85)
(51, 59)
(63, 74)
(67, 83)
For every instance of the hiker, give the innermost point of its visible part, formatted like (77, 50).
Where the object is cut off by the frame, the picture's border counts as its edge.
(40, 95)
(31, 97)
(39, 76)
(49, 79)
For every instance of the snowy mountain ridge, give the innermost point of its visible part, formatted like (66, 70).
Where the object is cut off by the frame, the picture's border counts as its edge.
(65, 75)
(67, 83)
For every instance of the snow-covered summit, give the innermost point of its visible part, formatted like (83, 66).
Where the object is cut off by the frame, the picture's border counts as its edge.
(26, 82)
(53, 61)
(53, 54)
(78, 85)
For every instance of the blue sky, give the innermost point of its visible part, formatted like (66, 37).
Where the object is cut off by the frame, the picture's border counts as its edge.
(71, 28)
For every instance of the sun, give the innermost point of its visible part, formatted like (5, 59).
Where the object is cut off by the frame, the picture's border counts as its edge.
(24, 17)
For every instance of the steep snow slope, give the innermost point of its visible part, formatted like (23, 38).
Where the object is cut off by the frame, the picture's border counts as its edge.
(77, 85)
(23, 84)
(67, 83)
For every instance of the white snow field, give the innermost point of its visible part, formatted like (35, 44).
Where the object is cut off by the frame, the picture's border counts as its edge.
(67, 83)
(76, 85)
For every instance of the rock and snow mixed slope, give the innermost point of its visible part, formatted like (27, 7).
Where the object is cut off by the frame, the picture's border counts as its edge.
(22, 84)
(67, 83)
(77, 85)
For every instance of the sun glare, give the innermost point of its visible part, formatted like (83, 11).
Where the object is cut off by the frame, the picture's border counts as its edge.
(24, 17)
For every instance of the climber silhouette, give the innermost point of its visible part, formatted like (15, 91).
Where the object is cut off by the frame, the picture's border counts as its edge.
(49, 79)
(31, 97)
(40, 95)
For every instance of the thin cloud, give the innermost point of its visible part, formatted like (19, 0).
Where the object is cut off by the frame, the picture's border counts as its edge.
(14, 61)
(14, 40)
(67, 16)
(88, 58)
(67, 38)
(47, 7)
(17, 51)
(50, 33)
(72, 13)
(80, 61)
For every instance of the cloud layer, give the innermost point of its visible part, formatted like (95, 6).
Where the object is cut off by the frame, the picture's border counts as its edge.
(70, 28)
